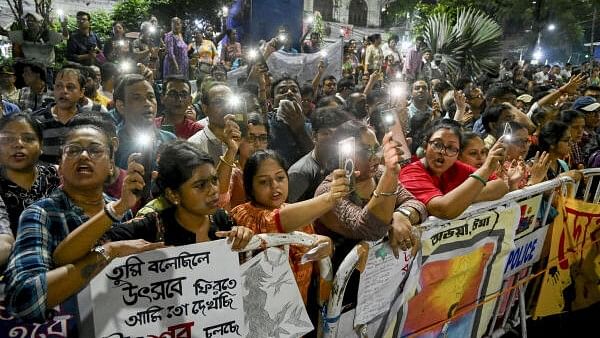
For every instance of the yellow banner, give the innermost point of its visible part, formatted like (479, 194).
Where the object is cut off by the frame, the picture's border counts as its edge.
(573, 276)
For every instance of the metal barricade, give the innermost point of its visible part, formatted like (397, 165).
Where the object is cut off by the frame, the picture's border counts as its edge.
(591, 178)
(358, 254)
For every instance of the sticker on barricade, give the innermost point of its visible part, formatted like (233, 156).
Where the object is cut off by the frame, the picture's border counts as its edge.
(187, 291)
(527, 251)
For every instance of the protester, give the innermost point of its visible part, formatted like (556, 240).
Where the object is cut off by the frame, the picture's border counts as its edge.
(204, 54)
(117, 48)
(36, 94)
(313, 45)
(374, 54)
(23, 179)
(412, 63)
(136, 101)
(187, 177)
(176, 61)
(177, 97)
(68, 91)
(231, 51)
(92, 100)
(576, 122)
(36, 42)
(84, 46)
(143, 48)
(472, 150)
(266, 184)
(447, 186)
(35, 284)
(8, 90)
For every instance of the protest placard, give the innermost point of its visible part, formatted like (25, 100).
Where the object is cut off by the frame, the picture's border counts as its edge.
(187, 291)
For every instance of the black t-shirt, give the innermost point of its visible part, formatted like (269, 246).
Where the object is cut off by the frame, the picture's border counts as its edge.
(163, 226)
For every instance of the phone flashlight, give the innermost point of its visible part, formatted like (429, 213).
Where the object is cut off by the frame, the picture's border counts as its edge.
(145, 140)
(346, 156)
(282, 37)
(507, 134)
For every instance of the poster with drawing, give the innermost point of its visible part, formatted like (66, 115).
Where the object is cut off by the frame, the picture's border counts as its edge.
(272, 301)
(187, 291)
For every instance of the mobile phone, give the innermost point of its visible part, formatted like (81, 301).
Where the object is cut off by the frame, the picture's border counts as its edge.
(507, 134)
(346, 158)
(390, 121)
(242, 121)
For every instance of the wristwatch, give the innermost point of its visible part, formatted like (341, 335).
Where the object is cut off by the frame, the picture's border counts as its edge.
(102, 252)
(404, 212)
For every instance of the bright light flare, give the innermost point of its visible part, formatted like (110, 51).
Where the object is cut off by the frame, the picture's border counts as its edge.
(282, 37)
(152, 29)
(538, 54)
(225, 11)
(551, 27)
(121, 43)
(126, 66)
(252, 54)
(234, 100)
(60, 13)
(144, 139)
(323, 54)
(309, 19)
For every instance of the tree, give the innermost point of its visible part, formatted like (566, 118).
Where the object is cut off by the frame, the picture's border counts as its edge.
(132, 13)
(470, 45)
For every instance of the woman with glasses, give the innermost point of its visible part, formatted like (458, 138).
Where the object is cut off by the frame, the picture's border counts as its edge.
(23, 179)
(376, 201)
(446, 185)
(188, 179)
(35, 281)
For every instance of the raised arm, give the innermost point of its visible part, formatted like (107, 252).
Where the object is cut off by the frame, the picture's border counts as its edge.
(296, 215)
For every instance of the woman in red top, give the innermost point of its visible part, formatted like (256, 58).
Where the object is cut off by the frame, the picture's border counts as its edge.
(445, 185)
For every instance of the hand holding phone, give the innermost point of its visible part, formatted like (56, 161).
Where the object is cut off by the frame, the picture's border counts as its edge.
(346, 158)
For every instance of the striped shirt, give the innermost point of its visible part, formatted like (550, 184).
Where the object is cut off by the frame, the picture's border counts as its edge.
(53, 134)
(43, 225)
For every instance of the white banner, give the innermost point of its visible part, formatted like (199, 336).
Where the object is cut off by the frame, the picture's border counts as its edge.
(301, 66)
(527, 251)
(187, 291)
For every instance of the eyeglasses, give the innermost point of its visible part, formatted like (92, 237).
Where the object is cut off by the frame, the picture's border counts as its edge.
(94, 151)
(25, 139)
(178, 95)
(257, 138)
(441, 148)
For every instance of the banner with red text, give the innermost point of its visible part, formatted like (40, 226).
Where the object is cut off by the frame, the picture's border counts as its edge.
(572, 281)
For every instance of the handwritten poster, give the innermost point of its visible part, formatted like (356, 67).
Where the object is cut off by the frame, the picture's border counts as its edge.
(272, 301)
(379, 282)
(187, 291)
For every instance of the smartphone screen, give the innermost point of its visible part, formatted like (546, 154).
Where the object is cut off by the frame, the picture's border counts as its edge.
(346, 157)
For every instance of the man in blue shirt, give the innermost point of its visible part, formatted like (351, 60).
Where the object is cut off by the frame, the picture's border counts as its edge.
(136, 101)
(83, 45)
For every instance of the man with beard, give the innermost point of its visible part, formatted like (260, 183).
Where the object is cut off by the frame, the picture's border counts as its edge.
(289, 131)
(419, 103)
(307, 173)
(135, 100)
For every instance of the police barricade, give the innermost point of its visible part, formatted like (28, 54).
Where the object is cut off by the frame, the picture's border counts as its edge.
(508, 233)
(166, 293)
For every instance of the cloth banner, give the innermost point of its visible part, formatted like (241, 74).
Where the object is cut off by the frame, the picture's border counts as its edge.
(301, 66)
(463, 262)
(272, 302)
(186, 291)
(572, 281)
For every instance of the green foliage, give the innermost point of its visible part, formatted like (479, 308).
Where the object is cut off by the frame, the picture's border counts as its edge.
(132, 13)
(470, 44)
(185, 9)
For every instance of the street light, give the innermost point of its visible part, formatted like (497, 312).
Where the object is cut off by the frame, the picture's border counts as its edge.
(551, 27)
(538, 54)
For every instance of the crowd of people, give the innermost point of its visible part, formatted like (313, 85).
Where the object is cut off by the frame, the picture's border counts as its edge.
(116, 153)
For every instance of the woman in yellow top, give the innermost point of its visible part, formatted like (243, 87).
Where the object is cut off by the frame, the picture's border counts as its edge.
(203, 54)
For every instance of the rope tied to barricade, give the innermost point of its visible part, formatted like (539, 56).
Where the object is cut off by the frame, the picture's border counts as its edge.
(552, 262)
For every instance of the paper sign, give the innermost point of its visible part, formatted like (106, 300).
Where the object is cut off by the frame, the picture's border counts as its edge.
(187, 291)
(527, 251)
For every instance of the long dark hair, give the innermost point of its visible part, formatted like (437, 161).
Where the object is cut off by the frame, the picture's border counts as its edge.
(177, 163)
(252, 165)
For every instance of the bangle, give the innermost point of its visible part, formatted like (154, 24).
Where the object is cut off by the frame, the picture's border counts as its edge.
(479, 178)
(385, 194)
(100, 250)
(111, 213)
(222, 159)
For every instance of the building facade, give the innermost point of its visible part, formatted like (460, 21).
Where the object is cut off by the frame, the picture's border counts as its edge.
(360, 13)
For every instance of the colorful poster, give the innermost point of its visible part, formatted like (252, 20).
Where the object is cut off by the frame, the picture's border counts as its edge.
(187, 291)
(572, 281)
(272, 302)
(463, 262)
